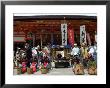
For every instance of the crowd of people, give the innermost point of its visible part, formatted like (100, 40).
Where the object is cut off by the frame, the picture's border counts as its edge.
(31, 55)
(85, 53)
(42, 56)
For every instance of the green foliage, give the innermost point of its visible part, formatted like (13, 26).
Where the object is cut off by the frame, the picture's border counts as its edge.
(92, 63)
(42, 67)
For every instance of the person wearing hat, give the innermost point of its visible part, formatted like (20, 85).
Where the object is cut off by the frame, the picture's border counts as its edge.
(75, 50)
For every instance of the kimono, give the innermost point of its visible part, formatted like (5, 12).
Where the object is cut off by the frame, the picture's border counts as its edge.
(85, 56)
(84, 52)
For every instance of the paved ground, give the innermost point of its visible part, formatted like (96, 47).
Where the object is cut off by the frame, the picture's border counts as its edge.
(54, 71)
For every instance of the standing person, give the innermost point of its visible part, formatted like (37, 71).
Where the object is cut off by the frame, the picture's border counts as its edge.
(28, 54)
(75, 52)
(34, 52)
(49, 51)
(95, 52)
(91, 50)
(40, 56)
(84, 54)
(17, 57)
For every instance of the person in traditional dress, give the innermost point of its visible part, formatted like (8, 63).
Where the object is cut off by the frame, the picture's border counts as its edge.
(40, 57)
(17, 57)
(84, 54)
(34, 52)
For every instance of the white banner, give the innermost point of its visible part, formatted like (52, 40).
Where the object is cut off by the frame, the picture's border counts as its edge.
(64, 34)
(82, 34)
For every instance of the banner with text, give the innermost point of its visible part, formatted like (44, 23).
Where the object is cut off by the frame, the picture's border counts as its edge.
(64, 34)
(71, 36)
(82, 34)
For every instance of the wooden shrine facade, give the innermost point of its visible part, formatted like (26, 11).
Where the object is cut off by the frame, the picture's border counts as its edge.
(47, 29)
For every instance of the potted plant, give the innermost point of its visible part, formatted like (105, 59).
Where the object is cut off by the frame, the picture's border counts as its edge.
(78, 67)
(19, 69)
(44, 70)
(92, 67)
(29, 70)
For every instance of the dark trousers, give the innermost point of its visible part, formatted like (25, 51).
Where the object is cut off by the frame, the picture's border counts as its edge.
(85, 63)
(28, 63)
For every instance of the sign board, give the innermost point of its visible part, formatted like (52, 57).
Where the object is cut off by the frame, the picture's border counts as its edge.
(82, 34)
(64, 34)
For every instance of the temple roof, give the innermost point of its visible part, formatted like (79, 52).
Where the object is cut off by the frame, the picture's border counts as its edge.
(56, 17)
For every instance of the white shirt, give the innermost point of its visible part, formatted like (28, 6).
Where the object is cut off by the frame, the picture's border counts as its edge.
(75, 51)
(34, 52)
(91, 51)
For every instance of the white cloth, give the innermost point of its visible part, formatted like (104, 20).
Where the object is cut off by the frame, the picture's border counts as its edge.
(47, 50)
(75, 51)
(34, 52)
(92, 50)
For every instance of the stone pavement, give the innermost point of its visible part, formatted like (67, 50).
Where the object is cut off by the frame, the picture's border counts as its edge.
(54, 71)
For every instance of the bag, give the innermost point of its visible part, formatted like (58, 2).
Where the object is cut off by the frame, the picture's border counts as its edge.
(78, 69)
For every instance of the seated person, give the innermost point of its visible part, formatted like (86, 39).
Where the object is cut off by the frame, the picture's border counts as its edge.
(59, 56)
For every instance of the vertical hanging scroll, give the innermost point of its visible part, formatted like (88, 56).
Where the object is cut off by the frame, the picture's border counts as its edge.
(71, 35)
(64, 33)
(82, 34)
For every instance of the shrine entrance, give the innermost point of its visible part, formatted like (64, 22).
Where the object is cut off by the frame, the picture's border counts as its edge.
(47, 29)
